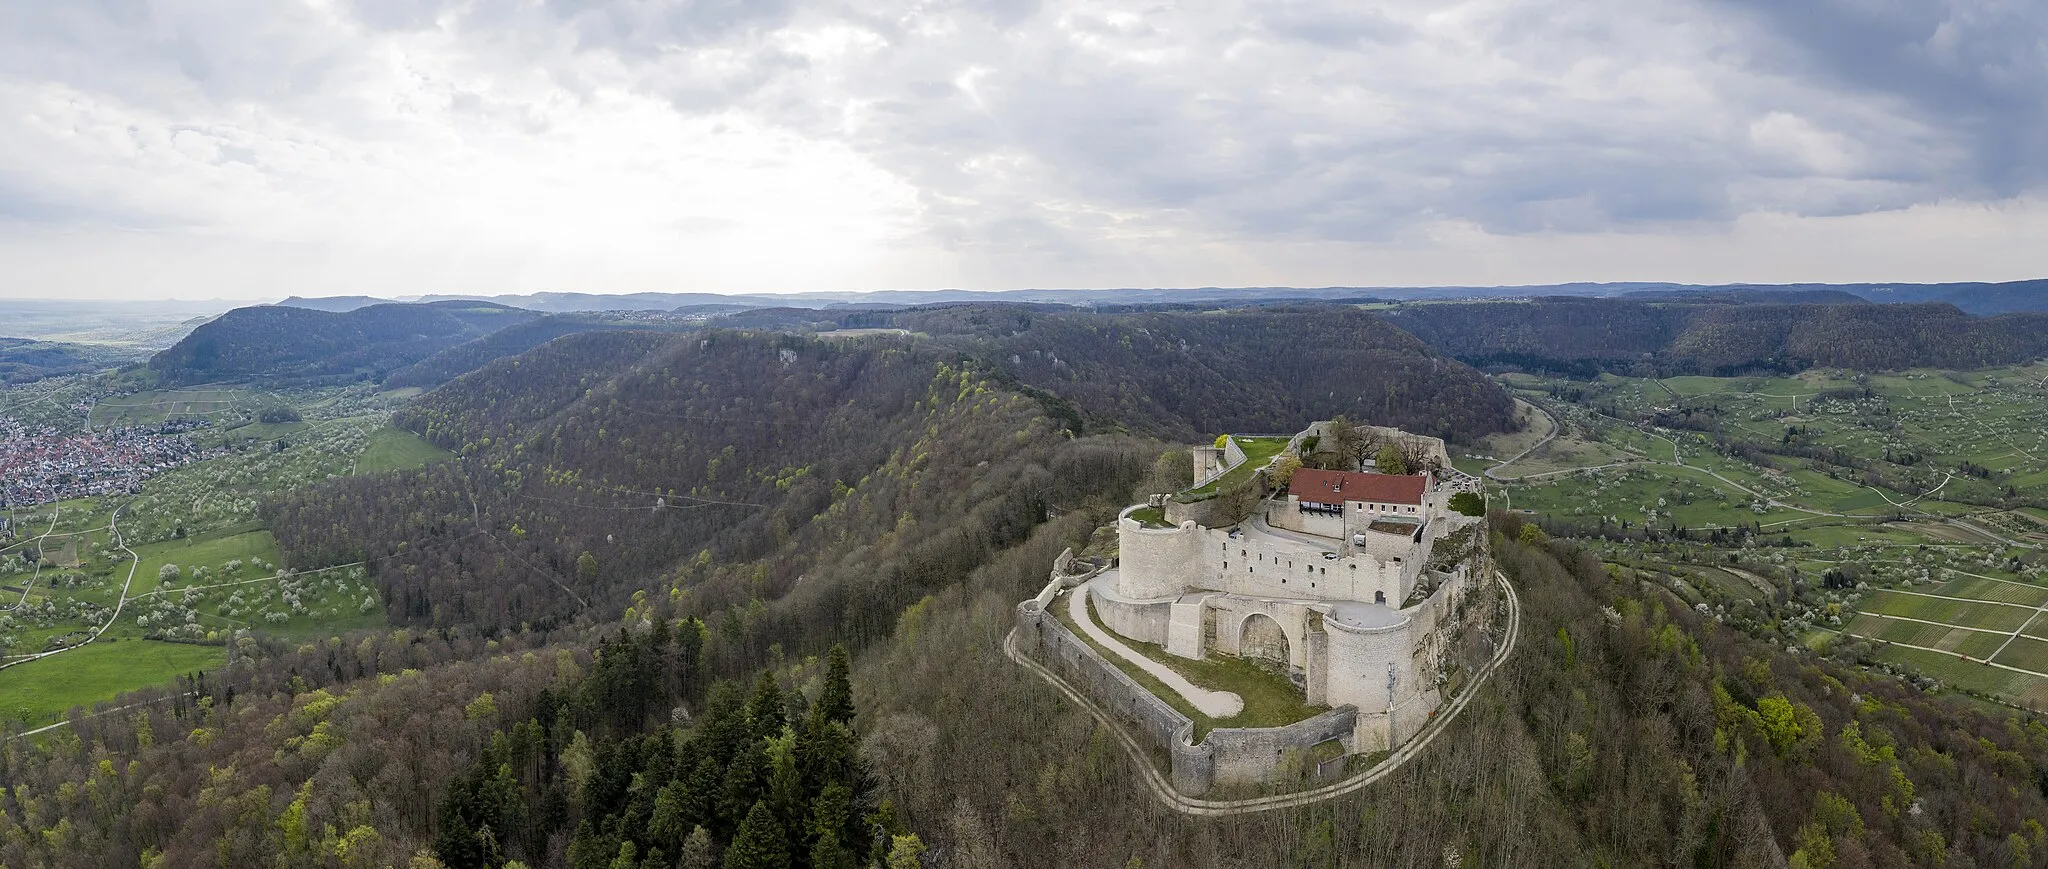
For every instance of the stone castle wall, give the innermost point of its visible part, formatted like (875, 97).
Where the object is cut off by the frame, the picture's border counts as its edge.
(1157, 563)
(1143, 620)
(1227, 756)
(1041, 635)
(1161, 562)
(1250, 756)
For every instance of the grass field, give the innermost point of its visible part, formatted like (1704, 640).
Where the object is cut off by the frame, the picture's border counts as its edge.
(1270, 700)
(40, 692)
(1257, 452)
(1994, 590)
(202, 517)
(1950, 670)
(1987, 616)
(145, 408)
(1835, 470)
(210, 551)
(2026, 654)
(391, 449)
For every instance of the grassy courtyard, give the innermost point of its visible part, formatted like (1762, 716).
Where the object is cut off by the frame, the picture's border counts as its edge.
(1270, 700)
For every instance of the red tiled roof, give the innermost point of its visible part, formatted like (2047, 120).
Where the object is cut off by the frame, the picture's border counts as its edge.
(1337, 487)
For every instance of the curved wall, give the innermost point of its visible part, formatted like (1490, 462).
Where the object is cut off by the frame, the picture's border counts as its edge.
(1136, 619)
(1157, 563)
(1359, 658)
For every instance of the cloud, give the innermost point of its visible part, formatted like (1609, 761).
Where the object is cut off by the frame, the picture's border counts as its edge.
(807, 144)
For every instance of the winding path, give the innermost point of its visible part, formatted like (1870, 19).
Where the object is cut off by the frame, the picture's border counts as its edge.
(134, 561)
(1555, 427)
(1163, 790)
(1215, 704)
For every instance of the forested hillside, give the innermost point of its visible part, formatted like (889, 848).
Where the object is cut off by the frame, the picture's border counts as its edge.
(1627, 730)
(513, 340)
(1583, 336)
(1188, 376)
(24, 360)
(304, 345)
(636, 517)
(619, 610)
(859, 473)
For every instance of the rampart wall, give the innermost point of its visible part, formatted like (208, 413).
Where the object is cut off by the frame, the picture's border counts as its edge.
(1228, 756)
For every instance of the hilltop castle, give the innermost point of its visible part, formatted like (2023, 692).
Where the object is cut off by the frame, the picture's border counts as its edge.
(1346, 580)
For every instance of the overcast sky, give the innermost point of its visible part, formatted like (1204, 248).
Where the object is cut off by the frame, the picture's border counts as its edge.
(260, 148)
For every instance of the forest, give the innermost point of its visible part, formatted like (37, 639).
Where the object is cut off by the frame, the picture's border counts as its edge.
(1660, 338)
(738, 599)
(290, 345)
(24, 360)
(1185, 375)
(513, 340)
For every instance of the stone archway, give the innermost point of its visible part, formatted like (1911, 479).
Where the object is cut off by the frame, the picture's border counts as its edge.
(1260, 637)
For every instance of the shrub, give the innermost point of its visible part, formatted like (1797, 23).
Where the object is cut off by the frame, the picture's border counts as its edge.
(1469, 503)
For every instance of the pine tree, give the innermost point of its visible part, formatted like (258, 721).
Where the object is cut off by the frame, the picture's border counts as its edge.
(697, 850)
(760, 843)
(766, 709)
(828, 853)
(835, 700)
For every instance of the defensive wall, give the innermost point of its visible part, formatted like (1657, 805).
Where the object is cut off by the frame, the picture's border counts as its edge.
(1226, 757)
(1212, 462)
(1345, 663)
(1426, 635)
(1158, 563)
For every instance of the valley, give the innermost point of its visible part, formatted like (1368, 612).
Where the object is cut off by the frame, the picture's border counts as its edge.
(490, 587)
(1887, 519)
(163, 576)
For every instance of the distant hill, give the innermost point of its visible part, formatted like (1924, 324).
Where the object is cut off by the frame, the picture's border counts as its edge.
(475, 353)
(560, 303)
(293, 344)
(1585, 336)
(26, 360)
(1750, 296)
(1190, 376)
(1975, 298)
(334, 304)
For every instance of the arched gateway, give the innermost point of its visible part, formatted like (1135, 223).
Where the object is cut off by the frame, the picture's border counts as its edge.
(1261, 638)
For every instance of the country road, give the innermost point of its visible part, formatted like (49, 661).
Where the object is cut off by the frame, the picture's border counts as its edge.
(1555, 427)
(134, 562)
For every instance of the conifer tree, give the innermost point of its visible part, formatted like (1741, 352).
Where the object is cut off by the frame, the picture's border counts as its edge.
(759, 844)
(835, 700)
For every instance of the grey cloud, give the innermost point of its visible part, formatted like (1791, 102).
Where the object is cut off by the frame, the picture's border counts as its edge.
(1976, 68)
(1053, 128)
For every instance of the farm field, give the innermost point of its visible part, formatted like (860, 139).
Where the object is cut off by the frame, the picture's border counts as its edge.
(41, 692)
(391, 449)
(1930, 487)
(143, 408)
(205, 567)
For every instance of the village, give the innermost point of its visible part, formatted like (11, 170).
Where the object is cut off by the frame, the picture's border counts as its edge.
(42, 463)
